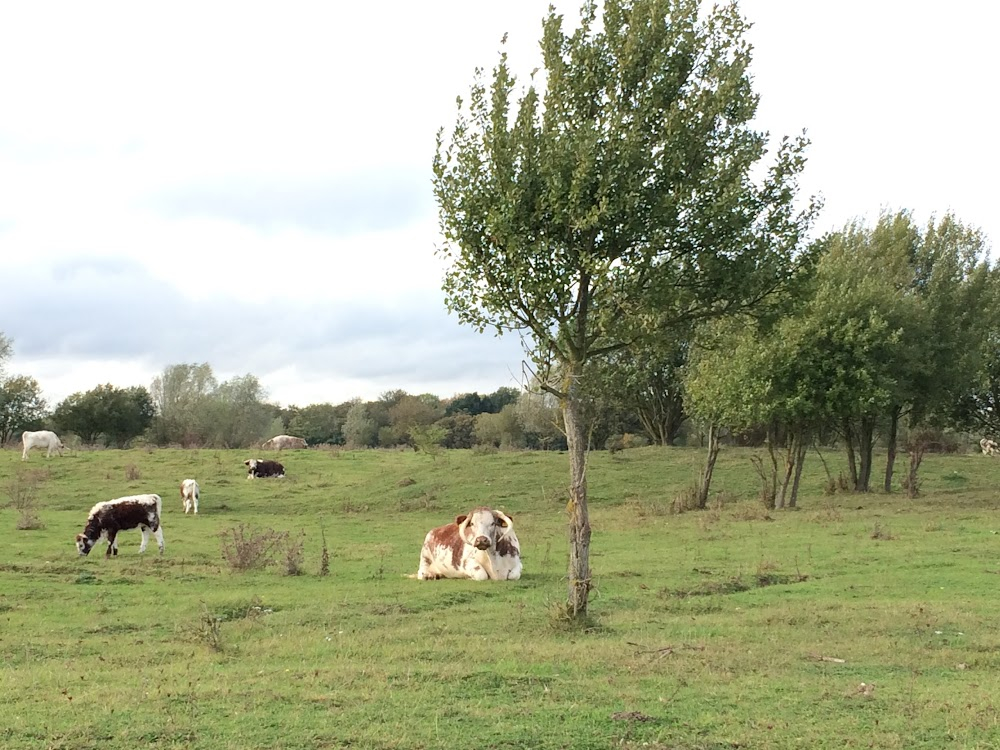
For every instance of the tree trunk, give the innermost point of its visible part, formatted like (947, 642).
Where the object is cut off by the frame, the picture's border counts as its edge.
(579, 516)
(912, 480)
(890, 453)
(866, 446)
(705, 481)
(852, 465)
(800, 459)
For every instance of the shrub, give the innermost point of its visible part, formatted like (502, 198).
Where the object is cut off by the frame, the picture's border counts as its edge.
(245, 548)
(22, 489)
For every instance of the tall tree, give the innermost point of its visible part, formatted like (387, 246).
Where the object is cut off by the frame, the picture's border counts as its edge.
(621, 198)
(182, 394)
(21, 405)
(114, 415)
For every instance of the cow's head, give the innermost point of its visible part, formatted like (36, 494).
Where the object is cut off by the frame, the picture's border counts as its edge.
(84, 544)
(252, 463)
(483, 527)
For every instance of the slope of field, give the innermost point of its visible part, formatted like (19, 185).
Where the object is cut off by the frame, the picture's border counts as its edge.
(855, 621)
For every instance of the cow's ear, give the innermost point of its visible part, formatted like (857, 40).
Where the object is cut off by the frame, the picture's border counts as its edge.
(459, 520)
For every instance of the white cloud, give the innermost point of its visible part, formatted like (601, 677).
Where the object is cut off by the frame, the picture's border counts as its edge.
(249, 184)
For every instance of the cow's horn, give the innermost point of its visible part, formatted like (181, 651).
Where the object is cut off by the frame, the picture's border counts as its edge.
(506, 520)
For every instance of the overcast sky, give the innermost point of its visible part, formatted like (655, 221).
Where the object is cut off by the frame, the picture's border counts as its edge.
(249, 184)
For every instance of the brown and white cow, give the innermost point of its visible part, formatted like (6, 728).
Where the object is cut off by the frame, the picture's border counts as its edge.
(989, 447)
(189, 495)
(283, 442)
(108, 518)
(480, 545)
(263, 468)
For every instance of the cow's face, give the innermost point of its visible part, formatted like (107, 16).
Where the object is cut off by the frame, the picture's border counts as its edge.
(483, 527)
(84, 544)
(252, 463)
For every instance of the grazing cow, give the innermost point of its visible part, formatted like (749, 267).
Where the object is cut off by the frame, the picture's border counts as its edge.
(108, 518)
(481, 545)
(261, 468)
(41, 439)
(189, 495)
(281, 442)
(990, 448)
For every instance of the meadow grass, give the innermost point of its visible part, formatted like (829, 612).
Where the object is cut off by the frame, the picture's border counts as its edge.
(854, 621)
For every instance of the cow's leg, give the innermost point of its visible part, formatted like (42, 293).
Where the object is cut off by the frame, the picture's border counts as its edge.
(112, 544)
(145, 538)
(196, 503)
(24, 454)
(159, 537)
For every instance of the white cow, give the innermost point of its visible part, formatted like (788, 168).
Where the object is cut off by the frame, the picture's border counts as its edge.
(989, 447)
(480, 545)
(41, 439)
(282, 442)
(189, 495)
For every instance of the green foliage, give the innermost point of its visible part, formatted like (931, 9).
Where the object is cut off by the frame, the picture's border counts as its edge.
(114, 415)
(319, 423)
(193, 409)
(500, 430)
(21, 406)
(428, 439)
(360, 429)
(182, 395)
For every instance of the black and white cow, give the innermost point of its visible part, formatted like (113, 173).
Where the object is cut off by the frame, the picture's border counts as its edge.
(263, 468)
(108, 518)
(480, 545)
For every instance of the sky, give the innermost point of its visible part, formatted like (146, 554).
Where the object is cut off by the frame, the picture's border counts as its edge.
(249, 184)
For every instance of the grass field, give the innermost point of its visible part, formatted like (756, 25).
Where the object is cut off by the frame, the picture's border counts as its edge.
(865, 621)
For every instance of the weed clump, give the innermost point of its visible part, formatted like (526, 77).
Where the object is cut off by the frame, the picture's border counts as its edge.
(246, 548)
(295, 555)
(324, 558)
(22, 489)
(882, 532)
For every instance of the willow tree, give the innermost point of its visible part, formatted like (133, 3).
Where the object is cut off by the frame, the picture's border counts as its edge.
(617, 197)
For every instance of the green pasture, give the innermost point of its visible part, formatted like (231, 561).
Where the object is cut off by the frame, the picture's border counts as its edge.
(867, 621)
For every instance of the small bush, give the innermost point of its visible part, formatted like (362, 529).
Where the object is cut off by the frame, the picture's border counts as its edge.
(22, 489)
(882, 532)
(294, 555)
(245, 548)
(210, 629)
(686, 500)
(324, 558)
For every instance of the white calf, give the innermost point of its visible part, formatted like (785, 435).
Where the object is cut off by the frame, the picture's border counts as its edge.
(189, 495)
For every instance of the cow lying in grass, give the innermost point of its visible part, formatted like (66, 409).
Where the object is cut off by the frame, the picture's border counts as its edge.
(480, 545)
(108, 518)
(261, 468)
(189, 495)
(989, 447)
(284, 442)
